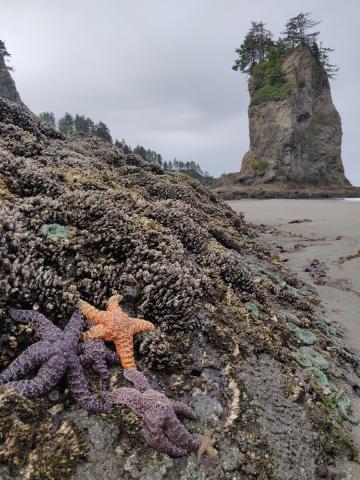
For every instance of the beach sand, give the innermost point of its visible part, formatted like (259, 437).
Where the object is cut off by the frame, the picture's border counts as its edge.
(329, 234)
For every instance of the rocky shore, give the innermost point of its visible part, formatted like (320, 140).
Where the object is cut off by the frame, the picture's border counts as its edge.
(231, 189)
(238, 337)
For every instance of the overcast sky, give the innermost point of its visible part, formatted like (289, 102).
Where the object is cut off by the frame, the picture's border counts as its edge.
(158, 72)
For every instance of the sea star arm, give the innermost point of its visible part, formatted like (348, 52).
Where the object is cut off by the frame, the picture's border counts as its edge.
(155, 437)
(178, 434)
(32, 357)
(91, 313)
(48, 376)
(206, 445)
(137, 378)
(85, 359)
(139, 326)
(183, 410)
(75, 326)
(112, 357)
(95, 333)
(125, 350)
(46, 329)
(80, 389)
(129, 397)
(113, 304)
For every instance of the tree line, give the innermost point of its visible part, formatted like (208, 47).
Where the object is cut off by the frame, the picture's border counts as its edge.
(259, 44)
(70, 125)
(156, 158)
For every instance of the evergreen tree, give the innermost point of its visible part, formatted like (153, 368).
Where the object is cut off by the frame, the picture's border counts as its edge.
(102, 131)
(322, 54)
(3, 50)
(259, 47)
(255, 48)
(66, 125)
(49, 118)
(297, 31)
(4, 53)
(83, 125)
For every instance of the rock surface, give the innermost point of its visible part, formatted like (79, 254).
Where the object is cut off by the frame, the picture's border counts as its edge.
(295, 142)
(186, 262)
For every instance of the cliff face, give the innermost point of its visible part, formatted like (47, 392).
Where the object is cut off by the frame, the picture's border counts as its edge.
(7, 84)
(295, 134)
(297, 139)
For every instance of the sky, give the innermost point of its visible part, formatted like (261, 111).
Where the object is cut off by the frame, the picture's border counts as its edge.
(158, 72)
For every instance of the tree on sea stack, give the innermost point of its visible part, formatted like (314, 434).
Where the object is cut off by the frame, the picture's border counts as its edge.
(7, 84)
(4, 52)
(294, 128)
(255, 48)
(297, 31)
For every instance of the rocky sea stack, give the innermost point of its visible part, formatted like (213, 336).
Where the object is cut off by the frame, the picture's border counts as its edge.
(295, 133)
(237, 336)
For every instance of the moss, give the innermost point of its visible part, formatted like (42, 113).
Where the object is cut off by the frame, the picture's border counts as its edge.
(269, 80)
(324, 120)
(261, 166)
(301, 83)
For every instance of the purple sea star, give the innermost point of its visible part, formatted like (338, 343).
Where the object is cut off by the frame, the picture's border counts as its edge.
(55, 354)
(94, 353)
(161, 426)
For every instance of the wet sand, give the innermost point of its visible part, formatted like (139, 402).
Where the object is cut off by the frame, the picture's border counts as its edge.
(332, 233)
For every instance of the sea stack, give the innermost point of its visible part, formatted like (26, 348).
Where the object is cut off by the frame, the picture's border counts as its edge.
(7, 85)
(295, 135)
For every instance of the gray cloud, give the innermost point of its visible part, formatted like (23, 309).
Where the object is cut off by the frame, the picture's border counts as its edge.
(159, 72)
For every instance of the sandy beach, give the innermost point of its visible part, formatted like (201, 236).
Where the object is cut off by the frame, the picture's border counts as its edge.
(327, 236)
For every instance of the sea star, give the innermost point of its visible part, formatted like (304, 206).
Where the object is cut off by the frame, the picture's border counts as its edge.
(94, 353)
(161, 427)
(55, 354)
(116, 326)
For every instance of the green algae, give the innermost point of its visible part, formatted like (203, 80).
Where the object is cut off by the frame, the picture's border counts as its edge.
(320, 377)
(54, 230)
(290, 317)
(307, 357)
(304, 335)
(253, 309)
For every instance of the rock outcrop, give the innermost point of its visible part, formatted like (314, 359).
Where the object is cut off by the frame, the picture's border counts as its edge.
(295, 134)
(7, 85)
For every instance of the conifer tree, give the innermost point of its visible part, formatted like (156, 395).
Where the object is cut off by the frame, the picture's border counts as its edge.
(102, 131)
(66, 124)
(49, 118)
(4, 53)
(297, 31)
(255, 48)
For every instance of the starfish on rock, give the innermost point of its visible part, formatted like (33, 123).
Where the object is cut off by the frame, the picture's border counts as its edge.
(114, 325)
(94, 353)
(55, 354)
(162, 428)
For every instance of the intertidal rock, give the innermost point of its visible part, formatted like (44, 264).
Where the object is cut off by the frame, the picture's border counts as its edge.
(79, 218)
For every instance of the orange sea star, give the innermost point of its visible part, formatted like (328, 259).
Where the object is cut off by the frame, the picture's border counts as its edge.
(114, 325)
